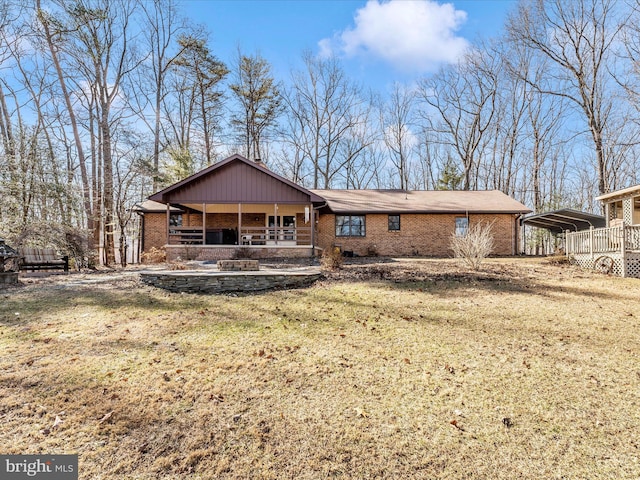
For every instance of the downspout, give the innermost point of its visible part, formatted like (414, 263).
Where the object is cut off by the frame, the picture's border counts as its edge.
(313, 225)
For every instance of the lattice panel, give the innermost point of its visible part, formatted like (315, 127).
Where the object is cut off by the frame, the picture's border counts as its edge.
(588, 262)
(627, 210)
(633, 263)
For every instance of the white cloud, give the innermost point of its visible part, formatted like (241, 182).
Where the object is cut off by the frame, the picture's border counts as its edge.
(411, 35)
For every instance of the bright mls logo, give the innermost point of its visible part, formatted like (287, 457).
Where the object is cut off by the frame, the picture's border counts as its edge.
(49, 467)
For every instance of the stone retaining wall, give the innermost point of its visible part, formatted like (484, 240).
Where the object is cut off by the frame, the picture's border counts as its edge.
(194, 282)
(8, 278)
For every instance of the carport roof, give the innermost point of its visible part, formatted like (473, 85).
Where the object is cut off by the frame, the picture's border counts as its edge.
(564, 219)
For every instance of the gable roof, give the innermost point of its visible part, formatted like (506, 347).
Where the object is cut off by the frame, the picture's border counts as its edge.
(420, 201)
(235, 180)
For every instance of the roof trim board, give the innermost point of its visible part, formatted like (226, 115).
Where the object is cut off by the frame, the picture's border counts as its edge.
(619, 194)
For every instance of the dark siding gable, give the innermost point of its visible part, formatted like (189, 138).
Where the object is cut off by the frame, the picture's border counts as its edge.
(235, 182)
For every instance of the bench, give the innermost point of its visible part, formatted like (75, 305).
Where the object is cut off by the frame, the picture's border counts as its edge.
(42, 259)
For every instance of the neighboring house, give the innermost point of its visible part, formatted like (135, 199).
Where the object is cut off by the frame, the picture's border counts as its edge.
(616, 247)
(240, 204)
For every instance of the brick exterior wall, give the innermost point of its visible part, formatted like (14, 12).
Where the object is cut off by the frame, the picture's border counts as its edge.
(155, 228)
(419, 234)
(155, 231)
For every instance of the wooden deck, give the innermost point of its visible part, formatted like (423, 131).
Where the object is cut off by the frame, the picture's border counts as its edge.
(613, 250)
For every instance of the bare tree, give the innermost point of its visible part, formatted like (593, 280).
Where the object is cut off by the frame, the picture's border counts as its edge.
(162, 27)
(53, 33)
(397, 122)
(578, 38)
(325, 109)
(459, 108)
(259, 99)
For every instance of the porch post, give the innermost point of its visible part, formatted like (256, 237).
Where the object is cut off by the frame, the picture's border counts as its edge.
(276, 223)
(623, 251)
(204, 223)
(240, 242)
(168, 221)
(568, 242)
(312, 224)
(591, 241)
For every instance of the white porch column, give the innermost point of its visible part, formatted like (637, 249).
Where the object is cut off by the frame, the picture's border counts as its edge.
(591, 241)
(623, 250)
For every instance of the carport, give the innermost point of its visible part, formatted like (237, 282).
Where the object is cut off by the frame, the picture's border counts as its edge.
(556, 223)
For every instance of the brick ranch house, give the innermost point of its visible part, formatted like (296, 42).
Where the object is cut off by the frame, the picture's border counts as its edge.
(239, 207)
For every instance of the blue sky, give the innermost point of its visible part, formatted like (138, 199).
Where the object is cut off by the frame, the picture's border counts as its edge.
(379, 42)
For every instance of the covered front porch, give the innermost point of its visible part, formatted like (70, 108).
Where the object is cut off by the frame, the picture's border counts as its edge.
(218, 231)
(238, 207)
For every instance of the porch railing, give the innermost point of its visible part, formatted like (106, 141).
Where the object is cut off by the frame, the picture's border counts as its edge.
(249, 236)
(272, 236)
(186, 236)
(603, 240)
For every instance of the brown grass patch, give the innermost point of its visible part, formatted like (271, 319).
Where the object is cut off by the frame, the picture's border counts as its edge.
(397, 369)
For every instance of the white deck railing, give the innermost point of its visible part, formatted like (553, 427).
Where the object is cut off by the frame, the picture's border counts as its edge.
(603, 240)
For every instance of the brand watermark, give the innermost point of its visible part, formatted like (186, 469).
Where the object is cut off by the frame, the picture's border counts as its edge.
(49, 467)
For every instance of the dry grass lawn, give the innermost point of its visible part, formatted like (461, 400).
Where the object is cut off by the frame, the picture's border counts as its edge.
(400, 369)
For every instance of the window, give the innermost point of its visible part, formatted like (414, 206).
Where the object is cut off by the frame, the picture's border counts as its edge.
(350, 226)
(175, 220)
(394, 223)
(462, 226)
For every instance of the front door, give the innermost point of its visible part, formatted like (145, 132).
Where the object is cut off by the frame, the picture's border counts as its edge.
(286, 224)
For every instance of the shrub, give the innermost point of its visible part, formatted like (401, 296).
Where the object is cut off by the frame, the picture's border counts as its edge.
(244, 253)
(155, 255)
(558, 260)
(331, 259)
(475, 246)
